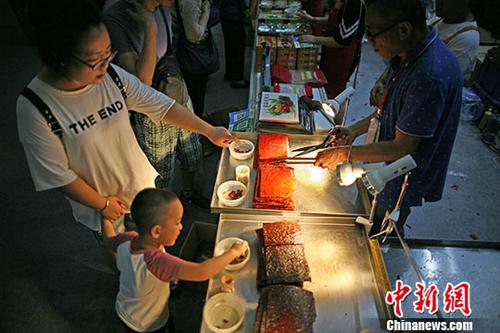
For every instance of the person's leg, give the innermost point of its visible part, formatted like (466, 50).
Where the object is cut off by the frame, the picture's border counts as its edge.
(189, 154)
(197, 86)
(158, 141)
(234, 48)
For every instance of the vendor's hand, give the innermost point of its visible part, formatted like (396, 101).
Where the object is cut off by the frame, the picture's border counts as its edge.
(329, 158)
(307, 39)
(239, 249)
(304, 16)
(115, 209)
(341, 136)
(221, 137)
(376, 93)
(140, 14)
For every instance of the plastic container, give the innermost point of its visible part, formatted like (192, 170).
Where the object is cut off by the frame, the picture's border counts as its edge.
(242, 173)
(241, 150)
(224, 313)
(224, 191)
(225, 245)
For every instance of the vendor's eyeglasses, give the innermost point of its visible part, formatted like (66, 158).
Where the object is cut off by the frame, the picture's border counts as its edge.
(370, 34)
(98, 64)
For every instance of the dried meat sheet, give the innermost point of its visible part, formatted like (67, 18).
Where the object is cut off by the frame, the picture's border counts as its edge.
(276, 180)
(272, 146)
(272, 201)
(284, 309)
(282, 233)
(286, 264)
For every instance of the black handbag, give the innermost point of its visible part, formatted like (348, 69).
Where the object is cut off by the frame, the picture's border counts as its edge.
(199, 58)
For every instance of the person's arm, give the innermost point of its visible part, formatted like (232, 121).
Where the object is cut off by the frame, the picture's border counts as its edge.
(180, 116)
(143, 64)
(195, 15)
(80, 191)
(384, 151)
(320, 20)
(203, 271)
(322, 40)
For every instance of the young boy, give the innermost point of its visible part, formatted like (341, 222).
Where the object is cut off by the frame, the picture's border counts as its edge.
(146, 269)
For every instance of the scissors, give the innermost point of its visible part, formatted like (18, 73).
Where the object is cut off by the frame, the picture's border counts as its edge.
(325, 144)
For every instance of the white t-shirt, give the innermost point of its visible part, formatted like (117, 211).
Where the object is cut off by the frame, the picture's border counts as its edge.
(465, 45)
(99, 143)
(142, 300)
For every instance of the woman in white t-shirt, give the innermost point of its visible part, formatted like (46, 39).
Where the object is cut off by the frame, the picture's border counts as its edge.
(97, 163)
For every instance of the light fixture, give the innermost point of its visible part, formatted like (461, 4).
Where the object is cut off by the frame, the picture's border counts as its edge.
(331, 107)
(374, 175)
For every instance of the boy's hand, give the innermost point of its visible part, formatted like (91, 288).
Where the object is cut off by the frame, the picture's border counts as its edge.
(304, 16)
(239, 249)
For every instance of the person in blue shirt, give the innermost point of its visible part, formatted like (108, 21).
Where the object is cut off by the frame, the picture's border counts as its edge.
(419, 111)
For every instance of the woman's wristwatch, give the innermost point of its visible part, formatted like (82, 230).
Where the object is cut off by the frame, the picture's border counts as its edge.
(106, 205)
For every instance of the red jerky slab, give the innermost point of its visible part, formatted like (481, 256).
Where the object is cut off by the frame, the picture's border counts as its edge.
(282, 233)
(272, 146)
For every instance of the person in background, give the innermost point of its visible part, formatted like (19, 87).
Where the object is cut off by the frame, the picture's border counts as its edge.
(459, 31)
(146, 269)
(340, 54)
(96, 162)
(233, 28)
(141, 32)
(315, 9)
(420, 111)
(195, 18)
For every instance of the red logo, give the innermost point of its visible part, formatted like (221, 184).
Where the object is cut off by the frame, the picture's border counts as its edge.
(457, 298)
(426, 298)
(397, 296)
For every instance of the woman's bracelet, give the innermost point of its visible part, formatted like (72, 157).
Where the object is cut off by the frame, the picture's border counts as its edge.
(105, 205)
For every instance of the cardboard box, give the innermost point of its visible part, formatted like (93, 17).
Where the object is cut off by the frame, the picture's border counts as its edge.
(199, 243)
(259, 50)
(287, 53)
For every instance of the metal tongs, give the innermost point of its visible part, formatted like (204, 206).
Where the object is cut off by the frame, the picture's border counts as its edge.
(297, 159)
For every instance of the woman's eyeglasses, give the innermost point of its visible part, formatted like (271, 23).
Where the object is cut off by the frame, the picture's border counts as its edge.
(370, 34)
(100, 63)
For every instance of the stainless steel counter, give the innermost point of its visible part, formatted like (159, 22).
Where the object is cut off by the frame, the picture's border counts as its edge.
(318, 192)
(347, 279)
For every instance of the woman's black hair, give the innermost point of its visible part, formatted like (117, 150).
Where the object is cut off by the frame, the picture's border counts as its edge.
(60, 26)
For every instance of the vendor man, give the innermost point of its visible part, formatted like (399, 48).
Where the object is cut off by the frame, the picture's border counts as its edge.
(419, 112)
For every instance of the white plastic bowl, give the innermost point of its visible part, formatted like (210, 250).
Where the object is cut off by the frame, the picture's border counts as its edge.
(225, 245)
(226, 187)
(224, 313)
(241, 144)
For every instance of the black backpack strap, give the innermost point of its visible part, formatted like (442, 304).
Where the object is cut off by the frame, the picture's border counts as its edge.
(116, 79)
(54, 125)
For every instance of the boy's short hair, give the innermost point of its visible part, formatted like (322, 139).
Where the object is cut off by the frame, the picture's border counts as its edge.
(149, 207)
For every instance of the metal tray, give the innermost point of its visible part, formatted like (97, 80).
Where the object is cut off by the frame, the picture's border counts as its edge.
(318, 192)
(348, 281)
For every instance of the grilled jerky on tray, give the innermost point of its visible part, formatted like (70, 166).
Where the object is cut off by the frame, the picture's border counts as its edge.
(285, 309)
(286, 264)
(283, 261)
(282, 233)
